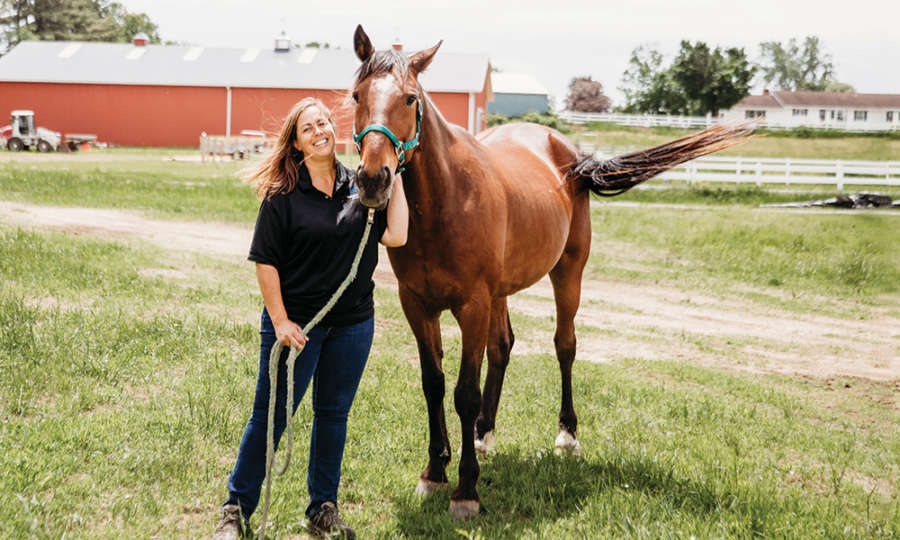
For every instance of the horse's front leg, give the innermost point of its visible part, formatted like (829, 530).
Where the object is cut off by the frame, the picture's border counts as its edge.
(474, 322)
(425, 325)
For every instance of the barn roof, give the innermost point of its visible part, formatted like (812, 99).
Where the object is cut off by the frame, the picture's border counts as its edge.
(516, 83)
(805, 98)
(178, 65)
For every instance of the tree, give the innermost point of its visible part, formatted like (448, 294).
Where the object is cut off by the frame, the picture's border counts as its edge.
(791, 67)
(648, 87)
(712, 79)
(835, 86)
(75, 20)
(699, 81)
(586, 95)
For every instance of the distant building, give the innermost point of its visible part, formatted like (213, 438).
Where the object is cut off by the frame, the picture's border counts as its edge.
(516, 94)
(837, 110)
(163, 95)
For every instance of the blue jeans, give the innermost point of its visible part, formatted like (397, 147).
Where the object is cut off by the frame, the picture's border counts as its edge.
(334, 358)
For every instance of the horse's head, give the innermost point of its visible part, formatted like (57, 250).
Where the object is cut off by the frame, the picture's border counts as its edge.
(388, 117)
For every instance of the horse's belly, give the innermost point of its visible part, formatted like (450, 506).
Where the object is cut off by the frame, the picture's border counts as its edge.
(533, 248)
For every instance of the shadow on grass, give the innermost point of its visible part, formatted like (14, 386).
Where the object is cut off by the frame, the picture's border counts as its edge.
(521, 493)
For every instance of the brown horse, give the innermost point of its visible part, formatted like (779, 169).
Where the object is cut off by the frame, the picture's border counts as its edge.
(489, 216)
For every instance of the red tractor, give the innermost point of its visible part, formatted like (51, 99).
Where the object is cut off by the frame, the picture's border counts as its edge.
(21, 134)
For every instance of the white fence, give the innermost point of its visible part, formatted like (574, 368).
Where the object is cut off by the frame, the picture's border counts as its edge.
(659, 120)
(761, 171)
(640, 120)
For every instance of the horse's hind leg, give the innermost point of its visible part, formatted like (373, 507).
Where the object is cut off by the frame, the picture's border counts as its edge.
(566, 279)
(500, 342)
(426, 327)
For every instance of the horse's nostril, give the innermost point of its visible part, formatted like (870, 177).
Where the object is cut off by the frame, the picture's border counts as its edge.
(385, 173)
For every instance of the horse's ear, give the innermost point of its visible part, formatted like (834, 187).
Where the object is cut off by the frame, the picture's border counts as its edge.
(419, 61)
(361, 44)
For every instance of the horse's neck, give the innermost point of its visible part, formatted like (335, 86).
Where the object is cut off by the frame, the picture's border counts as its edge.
(429, 178)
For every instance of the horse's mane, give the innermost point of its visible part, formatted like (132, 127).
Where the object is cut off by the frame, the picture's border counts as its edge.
(389, 61)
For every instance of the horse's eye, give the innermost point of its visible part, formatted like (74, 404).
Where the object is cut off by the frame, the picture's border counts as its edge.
(356, 97)
(410, 100)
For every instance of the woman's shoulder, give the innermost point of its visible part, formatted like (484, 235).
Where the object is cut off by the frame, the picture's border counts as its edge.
(344, 177)
(344, 171)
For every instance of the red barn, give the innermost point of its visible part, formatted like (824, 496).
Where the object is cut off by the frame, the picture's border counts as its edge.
(164, 95)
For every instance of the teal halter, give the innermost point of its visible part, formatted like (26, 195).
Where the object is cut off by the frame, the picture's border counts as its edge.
(400, 148)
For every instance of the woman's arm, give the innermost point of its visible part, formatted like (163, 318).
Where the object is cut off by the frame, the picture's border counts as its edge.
(286, 331)
(397, 216)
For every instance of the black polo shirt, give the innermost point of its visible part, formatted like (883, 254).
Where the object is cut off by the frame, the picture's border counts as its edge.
(311, 238)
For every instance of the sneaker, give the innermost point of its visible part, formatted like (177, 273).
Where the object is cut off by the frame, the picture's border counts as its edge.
(328, 524)
(232, 526)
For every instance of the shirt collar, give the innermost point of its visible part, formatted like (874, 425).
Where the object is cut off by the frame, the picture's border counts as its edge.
(343, 180)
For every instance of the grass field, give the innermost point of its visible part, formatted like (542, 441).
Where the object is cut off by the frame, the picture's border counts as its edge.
(126, 373)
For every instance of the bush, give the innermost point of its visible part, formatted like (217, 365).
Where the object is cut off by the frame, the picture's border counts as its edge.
(804, 132)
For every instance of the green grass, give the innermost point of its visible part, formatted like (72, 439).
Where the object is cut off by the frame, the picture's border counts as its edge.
(144, 181)
(127, 371)
(835, 255)
(656, 191)
(126, 375)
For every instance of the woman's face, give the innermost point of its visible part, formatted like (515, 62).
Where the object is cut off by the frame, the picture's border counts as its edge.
(315, 135)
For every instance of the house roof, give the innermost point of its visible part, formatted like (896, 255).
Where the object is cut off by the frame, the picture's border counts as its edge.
(764, 101)
(786, 98)
(178, 65)
(516, 83)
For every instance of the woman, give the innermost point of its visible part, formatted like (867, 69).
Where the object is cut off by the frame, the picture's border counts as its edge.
(309, 227)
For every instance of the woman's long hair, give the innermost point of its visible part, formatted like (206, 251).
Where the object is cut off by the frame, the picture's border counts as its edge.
(278, 172)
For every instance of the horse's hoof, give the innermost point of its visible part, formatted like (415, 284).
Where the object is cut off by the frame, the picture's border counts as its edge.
(464, 509)
(485, 444)
(424, 487)
(567, 444)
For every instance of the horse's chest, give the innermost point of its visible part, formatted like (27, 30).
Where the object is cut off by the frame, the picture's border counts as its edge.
(439, 271)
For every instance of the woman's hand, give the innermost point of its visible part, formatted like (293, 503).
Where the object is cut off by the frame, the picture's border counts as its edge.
(289, 334)
(397, 216)
(286, 331)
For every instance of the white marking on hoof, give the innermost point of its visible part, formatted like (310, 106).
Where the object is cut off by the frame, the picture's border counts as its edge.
(464, 509)
(567, 444)
(484, 445)
(425, 487)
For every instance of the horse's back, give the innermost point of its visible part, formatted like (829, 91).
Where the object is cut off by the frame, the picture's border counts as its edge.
(521, 139)
(530, 161)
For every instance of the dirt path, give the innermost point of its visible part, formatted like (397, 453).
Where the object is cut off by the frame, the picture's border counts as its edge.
(624, 319)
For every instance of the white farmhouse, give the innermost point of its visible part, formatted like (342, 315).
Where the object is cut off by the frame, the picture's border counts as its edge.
(836, 110)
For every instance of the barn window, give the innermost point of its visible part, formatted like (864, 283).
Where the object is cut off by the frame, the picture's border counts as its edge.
(889, 116)
(822, 114)
(754, 114)
(860, 116)
(799, 112)
(837, 115)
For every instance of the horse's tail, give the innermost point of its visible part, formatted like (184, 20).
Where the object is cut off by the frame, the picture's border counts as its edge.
(609, 177)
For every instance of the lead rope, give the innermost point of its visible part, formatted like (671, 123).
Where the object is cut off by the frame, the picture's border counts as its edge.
(292, 357)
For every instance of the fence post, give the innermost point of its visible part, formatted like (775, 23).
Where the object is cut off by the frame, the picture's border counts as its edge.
(787, 171)
(758, 174)
(840, 175)
(738, 171)
(692, 172)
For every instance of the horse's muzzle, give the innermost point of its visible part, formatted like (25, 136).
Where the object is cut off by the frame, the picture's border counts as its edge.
(374, 190)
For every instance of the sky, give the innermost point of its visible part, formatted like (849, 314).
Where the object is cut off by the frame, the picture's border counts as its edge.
(553, 40)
